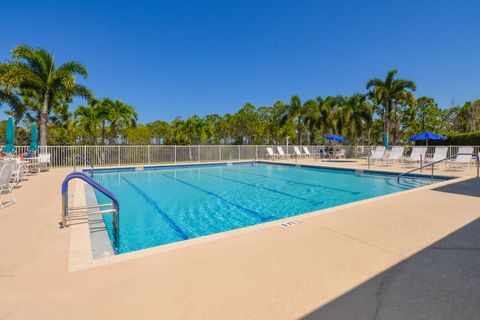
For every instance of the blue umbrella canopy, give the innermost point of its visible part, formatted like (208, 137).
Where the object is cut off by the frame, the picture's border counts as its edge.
(10, 137)
(34, 144)
(335, 138)
(427, 136)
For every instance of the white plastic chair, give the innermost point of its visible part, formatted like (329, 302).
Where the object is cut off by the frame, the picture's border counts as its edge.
(298, 153)
(396, 154)
(377, 154)
(307, 152)
(281, 153)
(463, 159)
(417, 155)
(5, 182)
(270, 153)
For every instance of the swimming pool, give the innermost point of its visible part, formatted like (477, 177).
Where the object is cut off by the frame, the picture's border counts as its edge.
(161, 205)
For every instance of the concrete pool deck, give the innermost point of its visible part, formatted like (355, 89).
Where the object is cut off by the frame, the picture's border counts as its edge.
(414, 254)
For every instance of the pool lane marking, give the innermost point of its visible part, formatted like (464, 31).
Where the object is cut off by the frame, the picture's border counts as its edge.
(315, 203)
(252, 212)
(154, 204)
(300, 183)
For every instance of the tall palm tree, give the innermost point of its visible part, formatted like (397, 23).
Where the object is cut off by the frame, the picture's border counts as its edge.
(102, 108)
(355, 116)
(87, 120)
(8, 94)
(118, 114)
(35, 70)
(297, 112)
(322, 116)
(386, 93)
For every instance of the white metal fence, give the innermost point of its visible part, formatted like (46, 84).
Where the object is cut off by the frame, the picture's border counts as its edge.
(121, 155)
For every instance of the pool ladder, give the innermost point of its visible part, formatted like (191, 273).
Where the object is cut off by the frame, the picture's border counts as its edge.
(83, 211)
(86, 160)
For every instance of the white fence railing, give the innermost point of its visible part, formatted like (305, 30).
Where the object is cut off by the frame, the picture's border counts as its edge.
(121, 155)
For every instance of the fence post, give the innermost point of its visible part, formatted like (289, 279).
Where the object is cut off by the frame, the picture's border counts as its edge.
(239, 158)
(118, 154)
(256, 152)
(148, 154)
(198, 152)
(220, 152)
(175, 154)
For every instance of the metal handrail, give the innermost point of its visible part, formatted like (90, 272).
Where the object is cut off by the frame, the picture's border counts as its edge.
(441, 160)
(84, 159)
(99, 187)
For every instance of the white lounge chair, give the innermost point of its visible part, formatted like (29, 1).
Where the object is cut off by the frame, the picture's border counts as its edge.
(5, 182)
(439, 154)
(282, 154)
(306, 152)
(298, 153)
(396, 154)
(377, 155)
(271, 154)
(463, 159)
(18, 172)
(417, 155)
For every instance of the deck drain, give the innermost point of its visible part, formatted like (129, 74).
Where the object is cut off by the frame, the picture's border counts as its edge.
(290, 223)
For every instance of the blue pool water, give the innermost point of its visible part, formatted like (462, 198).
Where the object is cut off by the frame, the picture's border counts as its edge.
(164, 205)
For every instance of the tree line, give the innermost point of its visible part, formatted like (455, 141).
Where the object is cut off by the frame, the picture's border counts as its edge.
(35, 90)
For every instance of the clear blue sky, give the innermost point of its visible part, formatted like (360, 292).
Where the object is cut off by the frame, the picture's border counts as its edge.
(177, 58)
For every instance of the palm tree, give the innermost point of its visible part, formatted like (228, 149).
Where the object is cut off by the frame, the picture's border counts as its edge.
(355, 116)
(87, 120)
(8, 94)
(35, 70)
(386, 93)
(102, 108)
(118, 114)
(296, 111)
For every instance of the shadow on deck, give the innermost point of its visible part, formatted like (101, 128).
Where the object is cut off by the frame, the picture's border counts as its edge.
(440, 282)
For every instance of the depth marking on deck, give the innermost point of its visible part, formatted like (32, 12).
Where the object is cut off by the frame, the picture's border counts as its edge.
(291, 223)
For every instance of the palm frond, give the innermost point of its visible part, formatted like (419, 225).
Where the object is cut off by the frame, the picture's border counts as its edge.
(73, 67)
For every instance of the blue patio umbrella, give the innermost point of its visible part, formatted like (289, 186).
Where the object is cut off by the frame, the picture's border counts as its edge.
(10, 137)
(34, 144)
(427, 136)
(335, 138)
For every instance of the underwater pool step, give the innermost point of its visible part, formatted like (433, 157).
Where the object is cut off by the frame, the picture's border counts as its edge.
(90, 207)
(85, 213)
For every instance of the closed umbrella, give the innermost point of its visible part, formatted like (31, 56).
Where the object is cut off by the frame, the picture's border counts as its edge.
(427, 136)
(34, 144)
(10, 137)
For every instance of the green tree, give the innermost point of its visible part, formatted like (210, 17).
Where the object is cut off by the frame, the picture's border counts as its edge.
(118, 115)
(387, 93)
(296, 112)
(428, 114)
(34, 70)
(159, 131)
(470, 115)
(87, 121)
(355, 116)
